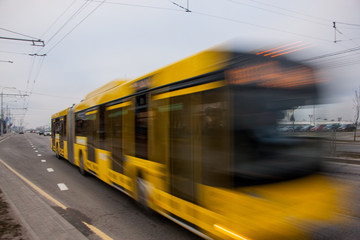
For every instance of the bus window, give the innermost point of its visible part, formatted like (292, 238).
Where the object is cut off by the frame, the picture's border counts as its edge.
(113, 136)
(181, 163)
(141, 126)
(215, 138)
(263, 153)
(159, 119)
(80, 124)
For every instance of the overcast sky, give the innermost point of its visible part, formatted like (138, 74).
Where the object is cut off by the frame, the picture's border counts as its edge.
(89, 43)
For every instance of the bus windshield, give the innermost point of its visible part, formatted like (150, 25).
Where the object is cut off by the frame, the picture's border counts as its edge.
(263, 153)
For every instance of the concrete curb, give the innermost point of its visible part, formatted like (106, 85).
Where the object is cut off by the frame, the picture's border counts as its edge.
(35, 215)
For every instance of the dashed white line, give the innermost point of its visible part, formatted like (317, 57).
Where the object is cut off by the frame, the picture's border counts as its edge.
(50, 170)
(43, 160)
(39, 155)
(36, 151)
(62, 187)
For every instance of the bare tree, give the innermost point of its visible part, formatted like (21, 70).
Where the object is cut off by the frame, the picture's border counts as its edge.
(356, 107)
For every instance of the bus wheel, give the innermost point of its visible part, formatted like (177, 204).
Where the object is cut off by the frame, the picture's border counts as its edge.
(81, 167)
(142, 194)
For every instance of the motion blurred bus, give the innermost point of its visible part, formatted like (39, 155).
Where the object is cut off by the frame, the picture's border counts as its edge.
(198, 141)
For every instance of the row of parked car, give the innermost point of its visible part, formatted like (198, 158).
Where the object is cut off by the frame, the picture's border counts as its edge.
(320, 128)
(45, 133)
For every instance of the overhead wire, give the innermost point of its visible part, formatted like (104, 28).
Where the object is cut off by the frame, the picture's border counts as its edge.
(58, 18)
(21, 34)
(292, 11)
(259, 26)
(350, 24)
(14, 52)
(218, 17)
(346, 63)
(77, 25)
(80, 9)
(141, 6)
(277, 12)
(333, 54)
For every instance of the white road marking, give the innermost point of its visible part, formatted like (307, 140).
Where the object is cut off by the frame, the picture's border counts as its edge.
(56, 202)
(62, 187)
(39, 155)
(36, 151)
(50, 170)
(43, 160)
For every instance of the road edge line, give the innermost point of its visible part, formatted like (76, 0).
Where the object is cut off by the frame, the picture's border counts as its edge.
(36, 188)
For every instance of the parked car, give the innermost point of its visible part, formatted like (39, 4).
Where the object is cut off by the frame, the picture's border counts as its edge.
(297, 128)
(332, 126)
(318, 128)
(306, 128)
(347, 128)
(41, 133)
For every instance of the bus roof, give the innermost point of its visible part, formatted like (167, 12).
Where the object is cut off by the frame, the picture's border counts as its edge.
(202, 63)
(198, 64)
(60, 114)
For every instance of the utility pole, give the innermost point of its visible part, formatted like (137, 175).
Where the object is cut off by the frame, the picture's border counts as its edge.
(2, 106)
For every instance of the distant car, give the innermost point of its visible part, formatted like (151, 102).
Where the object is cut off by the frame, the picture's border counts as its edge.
(285, 129)
(347, 128)
(297, 128)
(330, 127)
(306, 128)
(318, 128)
(21, 132)
(41, 133)
(47, 133)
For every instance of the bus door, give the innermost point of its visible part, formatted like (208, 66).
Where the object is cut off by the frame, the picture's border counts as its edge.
(70, 135)
(62, 132)
(91, 134)
(53, 132)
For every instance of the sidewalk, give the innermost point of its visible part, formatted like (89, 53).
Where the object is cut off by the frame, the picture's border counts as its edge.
(35, 215)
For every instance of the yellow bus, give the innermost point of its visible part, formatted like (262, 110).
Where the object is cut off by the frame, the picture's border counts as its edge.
(199, 142)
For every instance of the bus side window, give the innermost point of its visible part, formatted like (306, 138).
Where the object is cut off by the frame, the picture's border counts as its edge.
(159, 121)
(113, 136)
(215, 138)
(181, 160)
(80, 124)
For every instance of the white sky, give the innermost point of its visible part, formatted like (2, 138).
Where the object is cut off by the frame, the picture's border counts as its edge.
(129, 38)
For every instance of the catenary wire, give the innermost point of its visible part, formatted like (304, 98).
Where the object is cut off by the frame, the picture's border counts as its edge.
(19, 33)
(276, 12)
(75, 27)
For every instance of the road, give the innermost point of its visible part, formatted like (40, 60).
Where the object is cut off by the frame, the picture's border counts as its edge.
(87, 199)
(114, 214)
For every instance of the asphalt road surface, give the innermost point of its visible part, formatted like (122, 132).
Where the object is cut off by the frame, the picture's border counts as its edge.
(87, 199)
(113, 213)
